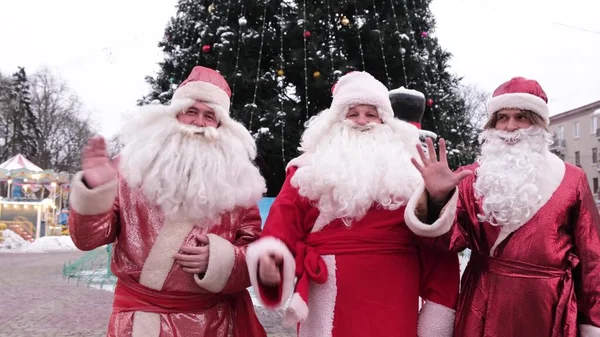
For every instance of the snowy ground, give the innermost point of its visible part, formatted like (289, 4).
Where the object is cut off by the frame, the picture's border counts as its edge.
(13, 243)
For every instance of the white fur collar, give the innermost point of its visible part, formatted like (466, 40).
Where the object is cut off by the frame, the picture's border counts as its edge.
(300, 161)
(547, 184)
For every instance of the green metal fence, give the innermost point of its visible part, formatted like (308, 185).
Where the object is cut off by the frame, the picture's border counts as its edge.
(92, 269)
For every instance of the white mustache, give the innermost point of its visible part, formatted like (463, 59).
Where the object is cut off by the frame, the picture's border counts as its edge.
(207, 132)
(366, 127)
(513, 137)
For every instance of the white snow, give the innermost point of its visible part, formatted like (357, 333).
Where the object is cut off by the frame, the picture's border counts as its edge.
(107, 287)
(13, 243)
(403, 90)
(255, 300)
(97, 279)
(52, 243)
(427, 133)
(464, 258)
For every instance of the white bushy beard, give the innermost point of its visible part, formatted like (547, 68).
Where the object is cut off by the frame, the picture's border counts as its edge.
(507, 177)
(193, 174)
(354, 167)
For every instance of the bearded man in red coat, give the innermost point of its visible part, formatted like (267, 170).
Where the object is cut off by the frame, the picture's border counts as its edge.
(180, 210)
(337, 225)
(529, 219)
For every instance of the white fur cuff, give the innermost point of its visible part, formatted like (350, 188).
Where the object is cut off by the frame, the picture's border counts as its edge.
(435, 320)
(587, 330)
(146, 324)
(220, 264)
(266, 246)
(94, 201)
(441, 226)
(296, 312)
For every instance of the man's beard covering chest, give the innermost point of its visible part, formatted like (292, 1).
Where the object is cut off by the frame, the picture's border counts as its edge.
(352, 168)
(192, 174)
(507, 181)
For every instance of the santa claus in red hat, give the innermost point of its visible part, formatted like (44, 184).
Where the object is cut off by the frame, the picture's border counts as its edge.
(337, 226)
(179, 209)
(530, 221)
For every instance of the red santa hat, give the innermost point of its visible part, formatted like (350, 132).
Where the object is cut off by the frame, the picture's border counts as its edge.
(209, 87)
(205, 85)
(520, 93)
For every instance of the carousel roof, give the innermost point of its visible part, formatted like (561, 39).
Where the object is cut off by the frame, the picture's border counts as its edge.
(19, 162)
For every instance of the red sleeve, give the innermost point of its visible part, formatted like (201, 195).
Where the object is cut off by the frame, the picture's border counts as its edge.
(94, 219)
(457, 238)
(227, 271)
(286, 216)
(284, 227)
(440, 276)
(248, 232)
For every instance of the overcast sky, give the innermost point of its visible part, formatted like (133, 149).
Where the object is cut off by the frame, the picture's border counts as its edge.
(105, 48)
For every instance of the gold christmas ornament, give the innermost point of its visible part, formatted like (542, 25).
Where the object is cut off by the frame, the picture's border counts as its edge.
(345, 21)
(280, 72)
(317, 74)
(211, 8)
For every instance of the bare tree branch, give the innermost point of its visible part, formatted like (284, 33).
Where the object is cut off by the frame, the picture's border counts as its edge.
(475, 104)
(65, 127)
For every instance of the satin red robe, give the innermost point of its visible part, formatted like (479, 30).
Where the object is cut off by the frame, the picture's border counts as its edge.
(543, 279)
(143, 247)
(372, 292)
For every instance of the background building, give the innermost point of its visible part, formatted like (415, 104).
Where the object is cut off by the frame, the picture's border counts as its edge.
(577, 140)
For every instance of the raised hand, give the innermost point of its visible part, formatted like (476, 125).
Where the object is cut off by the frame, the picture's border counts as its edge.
(97, 169)
(269, 269)
(439, 180)
(195, 259)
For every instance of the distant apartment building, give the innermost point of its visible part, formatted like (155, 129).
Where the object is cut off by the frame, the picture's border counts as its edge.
(577, 140)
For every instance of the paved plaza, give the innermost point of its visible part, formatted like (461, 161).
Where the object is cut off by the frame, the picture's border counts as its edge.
(36, 301)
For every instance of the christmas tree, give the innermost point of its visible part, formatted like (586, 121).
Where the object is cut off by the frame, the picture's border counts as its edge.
(22, 130)
(282, 58)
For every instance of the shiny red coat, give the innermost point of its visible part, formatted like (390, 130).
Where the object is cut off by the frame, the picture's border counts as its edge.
(541, 280)
(143, 248)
